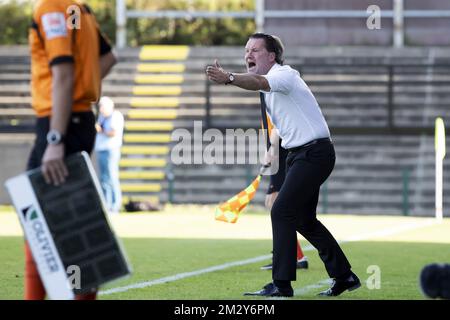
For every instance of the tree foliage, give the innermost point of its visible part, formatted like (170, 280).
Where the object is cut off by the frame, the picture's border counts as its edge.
(15, 19)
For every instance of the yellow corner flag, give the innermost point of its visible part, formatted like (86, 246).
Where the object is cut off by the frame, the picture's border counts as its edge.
(229, 210)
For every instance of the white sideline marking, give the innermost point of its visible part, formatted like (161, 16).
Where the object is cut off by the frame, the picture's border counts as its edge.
(318, 285)
(179, 276)
(305, 290)
(185, 275)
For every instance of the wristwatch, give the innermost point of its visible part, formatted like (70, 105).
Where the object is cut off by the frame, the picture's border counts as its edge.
(230, 78)
(54, 137)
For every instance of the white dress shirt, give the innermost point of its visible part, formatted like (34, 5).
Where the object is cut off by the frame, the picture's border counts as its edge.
(292, 108)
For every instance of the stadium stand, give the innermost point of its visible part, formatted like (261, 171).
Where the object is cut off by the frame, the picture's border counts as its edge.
(380, 104)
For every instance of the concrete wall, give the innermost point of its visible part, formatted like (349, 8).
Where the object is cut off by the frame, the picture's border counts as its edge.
(14, 151)
(346, 31)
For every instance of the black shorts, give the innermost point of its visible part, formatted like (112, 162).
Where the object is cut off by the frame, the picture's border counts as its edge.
(277, 180)
(80, 136)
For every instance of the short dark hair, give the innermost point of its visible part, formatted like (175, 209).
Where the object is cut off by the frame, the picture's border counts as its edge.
(435, 280)
(273, 44)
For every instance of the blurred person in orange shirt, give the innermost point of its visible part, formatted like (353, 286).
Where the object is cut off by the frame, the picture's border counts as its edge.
(69, 58)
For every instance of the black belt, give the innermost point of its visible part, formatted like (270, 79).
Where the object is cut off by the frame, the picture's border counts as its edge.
(317, 141)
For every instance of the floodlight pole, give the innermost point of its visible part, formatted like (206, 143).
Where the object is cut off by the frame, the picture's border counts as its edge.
(259, 15)
(121, 24)
(398, 24)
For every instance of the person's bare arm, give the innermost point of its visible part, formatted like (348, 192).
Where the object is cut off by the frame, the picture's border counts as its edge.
(111, 133)
(53, 167)
(270, 157)
(250, 81)
(272, 153)
(274, 137)
(246, 81)
(107, 61)
(270, 200)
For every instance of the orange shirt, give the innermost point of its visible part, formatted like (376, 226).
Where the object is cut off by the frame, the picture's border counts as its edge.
(52, 41)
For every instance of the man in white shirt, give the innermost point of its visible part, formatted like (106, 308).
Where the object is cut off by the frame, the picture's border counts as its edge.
(304, 132)
(108, 142)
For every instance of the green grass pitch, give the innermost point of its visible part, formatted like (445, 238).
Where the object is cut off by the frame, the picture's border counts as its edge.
(187, 239)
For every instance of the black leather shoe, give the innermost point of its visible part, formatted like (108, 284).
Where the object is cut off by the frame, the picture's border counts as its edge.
(340, 286)
(271, 290)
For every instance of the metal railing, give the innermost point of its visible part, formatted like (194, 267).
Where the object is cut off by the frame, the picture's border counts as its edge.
(260, 14)
(390, 72)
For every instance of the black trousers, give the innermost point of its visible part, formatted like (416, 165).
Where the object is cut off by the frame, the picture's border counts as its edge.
(80, 136)
(277, 180)
(295, 210)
